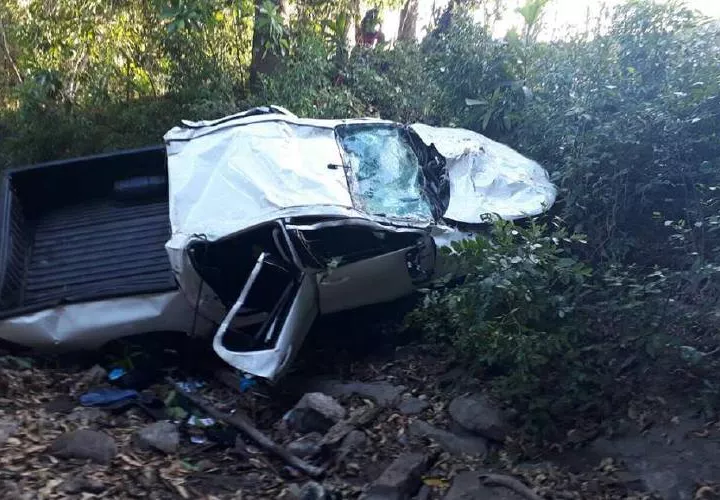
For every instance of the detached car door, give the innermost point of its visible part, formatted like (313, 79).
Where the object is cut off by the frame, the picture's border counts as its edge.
(280, 336)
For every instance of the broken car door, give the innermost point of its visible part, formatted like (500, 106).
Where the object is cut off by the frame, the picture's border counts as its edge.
(271, 301)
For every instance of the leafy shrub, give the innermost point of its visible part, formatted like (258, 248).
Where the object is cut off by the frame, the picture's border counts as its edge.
(512, 311)
(394, 83)
(309, 84)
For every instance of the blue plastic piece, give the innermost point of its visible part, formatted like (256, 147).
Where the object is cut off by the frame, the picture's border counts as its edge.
(247, 384)
(102, 397)
(116, 373)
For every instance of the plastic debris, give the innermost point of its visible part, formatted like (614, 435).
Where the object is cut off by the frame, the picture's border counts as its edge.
(198, 439)
(247, 383)
(200, 422)
(116, 373)
(190, 385)
(102, 397)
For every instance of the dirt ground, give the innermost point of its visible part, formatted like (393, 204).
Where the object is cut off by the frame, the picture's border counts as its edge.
(676, 456)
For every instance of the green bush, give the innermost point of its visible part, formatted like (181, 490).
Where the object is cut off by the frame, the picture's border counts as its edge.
(511, 312)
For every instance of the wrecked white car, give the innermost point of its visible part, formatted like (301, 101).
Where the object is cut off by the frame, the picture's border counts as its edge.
(246, 228)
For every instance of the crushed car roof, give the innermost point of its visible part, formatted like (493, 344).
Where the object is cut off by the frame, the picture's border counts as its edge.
(234, 173)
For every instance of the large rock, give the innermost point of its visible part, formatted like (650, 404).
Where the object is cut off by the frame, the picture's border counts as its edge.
(448, 441)
(400, 480)
(413, 406)
(383, 393)
(354, 441)
(315, 412)
(85, 443)
(468, 486)
(477, 414)
(162, 436)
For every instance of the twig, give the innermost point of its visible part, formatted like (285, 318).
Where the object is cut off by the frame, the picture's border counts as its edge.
(510, 483)
(240, 423)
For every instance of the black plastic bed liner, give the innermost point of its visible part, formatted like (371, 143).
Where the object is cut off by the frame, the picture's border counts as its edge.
(97, 250)
(84, 229)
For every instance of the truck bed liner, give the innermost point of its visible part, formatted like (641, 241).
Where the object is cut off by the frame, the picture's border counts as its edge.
(97, 249)
(84, 229)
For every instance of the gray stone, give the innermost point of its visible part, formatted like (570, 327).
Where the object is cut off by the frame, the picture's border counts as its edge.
(163, 436)
(383, 393)
(354, 441)
(309, 491)
(400, 480)
(477, 414)
(451, 377)
(468, 486)
(450, 442)
(307, 446)
(315, 412)
(8, 428)
(85, 443)
(82, 484)
(413, 406)
(94, 376)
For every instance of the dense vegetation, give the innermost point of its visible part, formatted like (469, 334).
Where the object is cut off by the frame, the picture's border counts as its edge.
(619, 284)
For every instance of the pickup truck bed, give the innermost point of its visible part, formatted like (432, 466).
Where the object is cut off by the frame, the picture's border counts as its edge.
(84, 229)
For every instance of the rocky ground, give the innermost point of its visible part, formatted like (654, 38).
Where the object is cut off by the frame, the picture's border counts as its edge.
(403, 423)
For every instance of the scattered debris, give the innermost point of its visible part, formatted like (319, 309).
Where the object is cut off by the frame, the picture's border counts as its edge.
(163, 436)
(477, 414)
(242, 424)
(401, 479)
(674, 459)
(190, 385)
(450, 442)
(85, 443)
(315, 412)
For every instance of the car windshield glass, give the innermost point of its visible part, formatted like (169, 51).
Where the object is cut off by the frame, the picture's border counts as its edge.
(387, 179)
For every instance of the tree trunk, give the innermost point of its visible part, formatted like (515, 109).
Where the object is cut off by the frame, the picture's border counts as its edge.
(264, 61)
(408, 21)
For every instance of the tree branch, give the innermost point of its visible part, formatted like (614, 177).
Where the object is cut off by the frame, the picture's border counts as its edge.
(242, 424)
(510, 483)
(6, 46)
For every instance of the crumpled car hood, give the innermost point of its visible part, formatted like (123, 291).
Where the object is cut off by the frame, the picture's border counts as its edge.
(487, 177)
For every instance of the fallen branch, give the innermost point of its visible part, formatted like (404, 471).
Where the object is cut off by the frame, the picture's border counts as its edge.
(244, 426)
(510, 483)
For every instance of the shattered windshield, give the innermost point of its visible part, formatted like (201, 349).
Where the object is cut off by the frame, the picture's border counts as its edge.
(386, 174)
